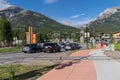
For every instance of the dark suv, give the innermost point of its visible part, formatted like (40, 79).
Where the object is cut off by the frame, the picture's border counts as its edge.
(30, 48)
(51, 47)
(72, 46)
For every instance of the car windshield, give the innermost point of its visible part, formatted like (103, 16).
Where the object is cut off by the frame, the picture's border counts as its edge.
(27, 45)
(30, 45)
(68, 44)
(48, 44)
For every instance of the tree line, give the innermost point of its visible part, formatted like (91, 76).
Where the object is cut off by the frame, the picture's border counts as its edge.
(7, 34)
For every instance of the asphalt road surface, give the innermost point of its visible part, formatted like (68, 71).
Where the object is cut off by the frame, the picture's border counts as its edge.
(28, 57)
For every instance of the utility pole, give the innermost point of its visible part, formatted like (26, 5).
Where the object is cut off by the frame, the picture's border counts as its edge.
(18, 37)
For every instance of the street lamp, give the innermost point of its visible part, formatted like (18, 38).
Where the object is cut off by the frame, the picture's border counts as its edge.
(18, 37)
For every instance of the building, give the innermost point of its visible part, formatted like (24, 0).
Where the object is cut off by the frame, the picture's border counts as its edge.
(116, 37)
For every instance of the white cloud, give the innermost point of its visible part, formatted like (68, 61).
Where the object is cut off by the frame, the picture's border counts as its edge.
(82, 14)
(50, 1)
(77, 16)
(4, 4)
(76, 22)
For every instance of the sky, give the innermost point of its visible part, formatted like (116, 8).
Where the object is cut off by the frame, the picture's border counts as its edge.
(77, 12)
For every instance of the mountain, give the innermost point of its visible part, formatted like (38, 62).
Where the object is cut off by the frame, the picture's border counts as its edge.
(66, 22)
(20, 18)
(108, 21)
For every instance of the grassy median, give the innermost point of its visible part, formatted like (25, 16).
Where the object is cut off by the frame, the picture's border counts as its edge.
(22, 72)
(10, 50)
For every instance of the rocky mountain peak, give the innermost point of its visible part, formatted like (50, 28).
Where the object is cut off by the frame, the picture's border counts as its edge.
(108, 12)
(107, 21)
(10, 11)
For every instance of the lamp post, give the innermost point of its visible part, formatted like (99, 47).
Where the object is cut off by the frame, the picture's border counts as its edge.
(18, 37)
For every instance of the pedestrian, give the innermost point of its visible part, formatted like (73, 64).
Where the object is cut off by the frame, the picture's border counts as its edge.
(102, 44)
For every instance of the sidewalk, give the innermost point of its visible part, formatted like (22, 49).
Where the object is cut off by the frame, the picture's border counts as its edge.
(105, 69)
(79, 70)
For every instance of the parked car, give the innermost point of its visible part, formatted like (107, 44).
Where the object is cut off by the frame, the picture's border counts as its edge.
(72, 46)
(68, 46)
(62, 45)
(79, 46)
(30, 48)
(51, 47)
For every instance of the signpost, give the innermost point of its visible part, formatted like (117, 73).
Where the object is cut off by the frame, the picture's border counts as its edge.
(30, 37)
(87, 35)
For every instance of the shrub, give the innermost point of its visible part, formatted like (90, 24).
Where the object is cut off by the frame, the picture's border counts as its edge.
(117, 47)
(118, 42)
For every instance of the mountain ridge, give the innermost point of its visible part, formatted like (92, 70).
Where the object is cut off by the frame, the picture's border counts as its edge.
(108, 21)
(19, 17)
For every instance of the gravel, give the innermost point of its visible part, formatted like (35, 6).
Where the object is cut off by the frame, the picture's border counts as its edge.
(114, 54)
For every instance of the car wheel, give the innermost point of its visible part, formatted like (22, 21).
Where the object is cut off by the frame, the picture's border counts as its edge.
(58, 50)
(53, 51)
(31, 51)
(25, 52)
(34, 51)
(41, 50)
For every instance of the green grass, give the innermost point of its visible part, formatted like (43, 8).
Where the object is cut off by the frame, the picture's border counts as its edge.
(117, 47)
(9, 50)
(22, 72)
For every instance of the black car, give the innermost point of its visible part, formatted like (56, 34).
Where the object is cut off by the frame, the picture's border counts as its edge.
(51, 47)
(72, 46)
(31, 48)
(62, 45)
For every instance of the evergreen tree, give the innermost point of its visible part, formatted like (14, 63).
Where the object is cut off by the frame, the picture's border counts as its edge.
(6, 35)
(42, 37)
(22, 34)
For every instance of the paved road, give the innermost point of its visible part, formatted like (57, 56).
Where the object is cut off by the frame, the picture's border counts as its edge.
(106, 69)
(19, 57)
